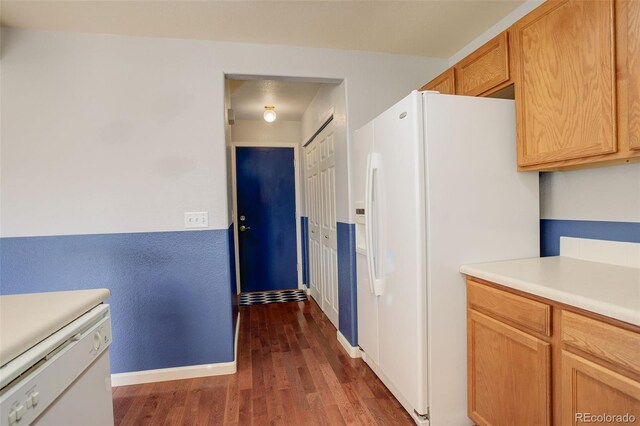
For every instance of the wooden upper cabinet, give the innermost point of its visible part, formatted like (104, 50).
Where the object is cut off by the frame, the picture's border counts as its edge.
(628, 38)
(485, 69)
(565, 81)
(445, 83)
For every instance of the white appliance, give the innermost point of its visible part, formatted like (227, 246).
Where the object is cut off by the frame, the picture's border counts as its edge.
(55, 360)
(435, 186)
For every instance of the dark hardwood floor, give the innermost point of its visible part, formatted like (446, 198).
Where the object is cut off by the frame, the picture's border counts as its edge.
(291, 371)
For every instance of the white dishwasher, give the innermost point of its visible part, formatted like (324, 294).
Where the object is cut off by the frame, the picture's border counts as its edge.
(64, 378)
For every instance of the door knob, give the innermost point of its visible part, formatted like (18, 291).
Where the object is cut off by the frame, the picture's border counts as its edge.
(244, 228)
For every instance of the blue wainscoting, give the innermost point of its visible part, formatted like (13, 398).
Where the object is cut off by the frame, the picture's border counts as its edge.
(170, 291)
(552, 229)
(304, 227)
(347, 285)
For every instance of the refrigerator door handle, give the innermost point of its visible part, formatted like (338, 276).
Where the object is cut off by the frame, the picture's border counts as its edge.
(374, 224)
(368, 202)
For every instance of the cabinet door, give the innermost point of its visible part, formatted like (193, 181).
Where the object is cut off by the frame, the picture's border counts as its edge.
(484, 69)
(565, 82)
(590, 389)
(628, 36)
(509, 374)
(445, 83)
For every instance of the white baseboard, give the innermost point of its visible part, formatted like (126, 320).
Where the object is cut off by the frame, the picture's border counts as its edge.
(352, 351)
(178, 373)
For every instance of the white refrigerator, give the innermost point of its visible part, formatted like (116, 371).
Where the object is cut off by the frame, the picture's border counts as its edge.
(435, 185)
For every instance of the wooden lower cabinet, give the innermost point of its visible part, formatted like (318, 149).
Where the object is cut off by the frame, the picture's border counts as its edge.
(585, 366)
(504, 363)
(590, 390)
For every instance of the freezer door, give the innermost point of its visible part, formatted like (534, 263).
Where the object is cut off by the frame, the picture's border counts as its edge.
(399, 205)
(367, 313)
(367, 301)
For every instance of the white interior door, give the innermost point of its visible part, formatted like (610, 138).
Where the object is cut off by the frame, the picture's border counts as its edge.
(321, 208)
(312, 192)
(329, 238)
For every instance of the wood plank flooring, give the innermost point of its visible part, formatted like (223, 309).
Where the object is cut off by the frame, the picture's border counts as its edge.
(291, 371)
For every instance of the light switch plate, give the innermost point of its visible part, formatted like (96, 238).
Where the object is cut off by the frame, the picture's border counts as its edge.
(196, 219)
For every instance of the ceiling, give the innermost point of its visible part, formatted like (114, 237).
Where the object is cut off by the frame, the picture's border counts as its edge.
(291, 99)
(437, 28)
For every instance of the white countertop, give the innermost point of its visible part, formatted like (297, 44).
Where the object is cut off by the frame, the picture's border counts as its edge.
(27, 319)
(610, 290)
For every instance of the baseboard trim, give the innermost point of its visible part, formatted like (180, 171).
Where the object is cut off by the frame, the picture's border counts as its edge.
(178, 373)
(175, 373)
(352, 351)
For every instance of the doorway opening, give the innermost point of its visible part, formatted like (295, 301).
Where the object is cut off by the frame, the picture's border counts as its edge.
(281, 157)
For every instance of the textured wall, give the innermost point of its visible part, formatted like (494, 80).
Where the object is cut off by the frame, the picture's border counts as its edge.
(170, 295)
(123, 134)
(601, 203)
(120, 136)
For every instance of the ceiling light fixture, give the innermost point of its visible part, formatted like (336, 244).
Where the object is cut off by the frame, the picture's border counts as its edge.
(269, 114)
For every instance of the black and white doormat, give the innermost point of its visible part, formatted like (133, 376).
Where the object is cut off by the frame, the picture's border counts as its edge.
(279, 296)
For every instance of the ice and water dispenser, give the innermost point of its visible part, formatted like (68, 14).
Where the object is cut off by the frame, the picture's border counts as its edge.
(361, 240)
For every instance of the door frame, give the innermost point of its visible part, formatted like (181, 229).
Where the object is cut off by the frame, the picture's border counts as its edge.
(234, 212)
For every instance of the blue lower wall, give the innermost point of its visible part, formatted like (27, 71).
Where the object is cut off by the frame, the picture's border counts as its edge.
(552, 229)
(347, 285)
(170, 290)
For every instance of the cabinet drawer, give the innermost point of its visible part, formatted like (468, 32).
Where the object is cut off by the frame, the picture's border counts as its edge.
(484, 69)
(610, 343)
(527, 314)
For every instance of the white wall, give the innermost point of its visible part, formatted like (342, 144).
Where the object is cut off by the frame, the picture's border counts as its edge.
(108, 133)
(105, 134)
(602, 194)
(599, 194)
(261, 131)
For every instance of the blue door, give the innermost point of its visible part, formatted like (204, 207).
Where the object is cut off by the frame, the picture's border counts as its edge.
(266, 218)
